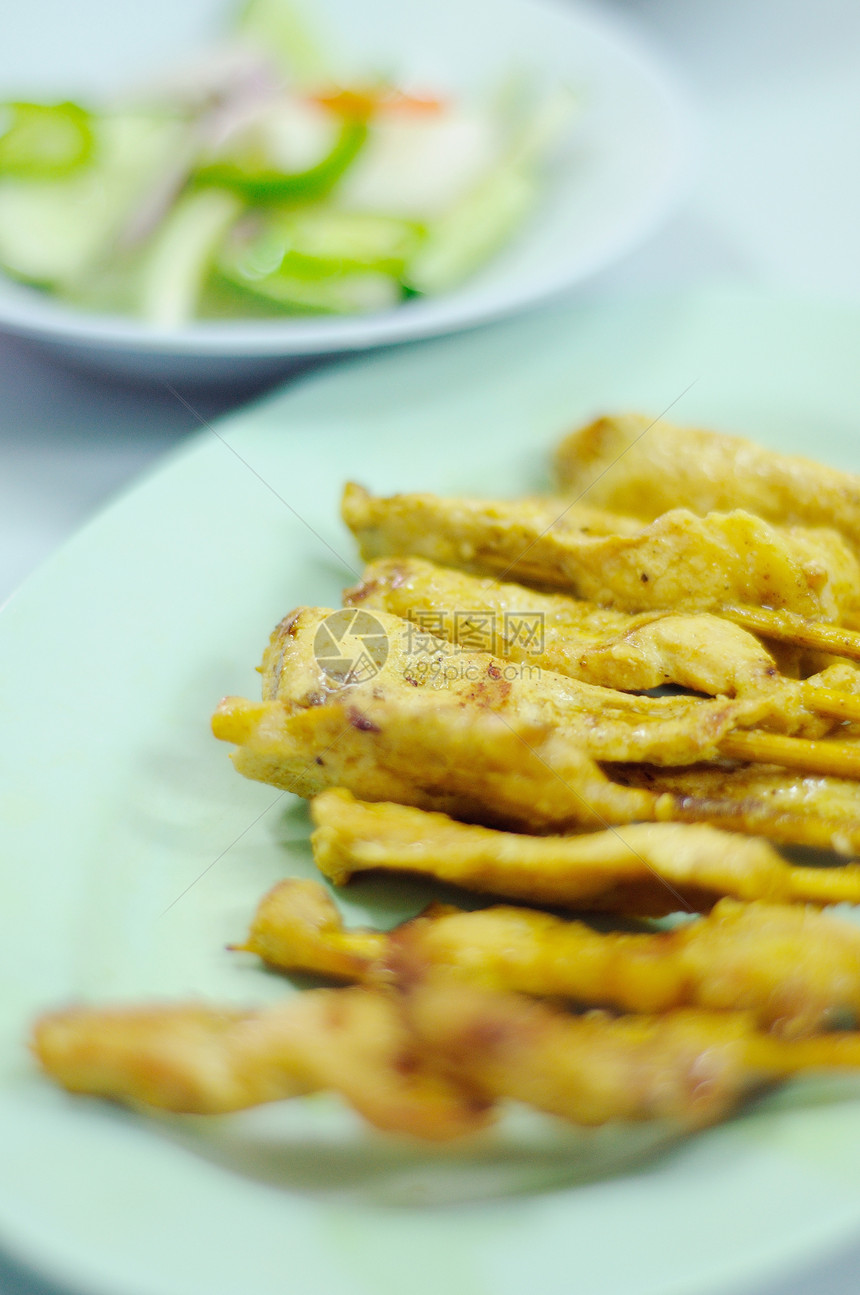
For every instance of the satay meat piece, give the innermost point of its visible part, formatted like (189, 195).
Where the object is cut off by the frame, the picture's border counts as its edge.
(689, 1066)
(644, 467)
(526, 778)
(612, 649)
(476, 767)
(644, 869)
(678, 562)
(206, 1060)
(521, 754)
(432, 1060)
(597, 645)
(297, 927)
(795, 969)
(603, 723)
(792, 810)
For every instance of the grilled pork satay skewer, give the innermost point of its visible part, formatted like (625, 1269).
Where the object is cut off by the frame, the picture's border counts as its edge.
(522, 776)
(602, 723)
(477, 768)
(207, 1060)
(679, 561)
(597, 645)
(644, 467)
(691, 1066)
(794, 969)
(647, 869)
(656, 466)
(432, 1062)
(479, 748)
(758, 799)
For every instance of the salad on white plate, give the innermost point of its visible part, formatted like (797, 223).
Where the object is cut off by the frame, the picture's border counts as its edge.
(252, 183)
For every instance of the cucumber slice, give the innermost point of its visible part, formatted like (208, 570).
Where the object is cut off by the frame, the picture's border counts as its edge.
(477, 226)
(318, 242)
(360, 292)
(44, 141)
(473, 231)
(321, 260)
(53, 232)
(179, 260)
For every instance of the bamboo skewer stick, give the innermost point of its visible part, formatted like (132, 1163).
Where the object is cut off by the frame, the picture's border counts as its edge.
(789, 627)
(792, 968)
(829, 701)
(824, 886)
(827, 757)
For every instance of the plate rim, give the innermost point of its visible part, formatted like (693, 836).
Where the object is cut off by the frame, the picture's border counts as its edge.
(801, 1245)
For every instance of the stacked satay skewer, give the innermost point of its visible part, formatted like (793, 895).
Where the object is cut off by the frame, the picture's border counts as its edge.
(530, 764)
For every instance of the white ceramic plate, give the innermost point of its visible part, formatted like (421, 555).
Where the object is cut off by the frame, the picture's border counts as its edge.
(132, 853)
(617, 178)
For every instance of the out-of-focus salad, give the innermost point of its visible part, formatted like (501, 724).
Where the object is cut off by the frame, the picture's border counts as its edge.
(253, 183)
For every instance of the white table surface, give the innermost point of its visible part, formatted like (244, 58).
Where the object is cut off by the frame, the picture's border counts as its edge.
(775, 201)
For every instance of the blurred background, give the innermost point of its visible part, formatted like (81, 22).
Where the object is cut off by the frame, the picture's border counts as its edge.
(774, 201)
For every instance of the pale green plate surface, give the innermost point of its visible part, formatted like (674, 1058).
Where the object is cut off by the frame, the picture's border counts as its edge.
(132, 853)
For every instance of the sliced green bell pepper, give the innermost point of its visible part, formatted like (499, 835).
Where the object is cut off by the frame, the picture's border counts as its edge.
(268, 185)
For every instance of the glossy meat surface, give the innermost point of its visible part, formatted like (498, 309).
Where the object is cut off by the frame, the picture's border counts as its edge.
(792, 810)
(678, 561)
(690, 1066)
(643, 869)
(420, 670)
(636, 465)
(476, 767)
(793, 968)
(207, 1060)
(598, 645)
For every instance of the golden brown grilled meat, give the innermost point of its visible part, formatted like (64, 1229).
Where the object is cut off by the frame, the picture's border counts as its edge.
(819, 812)
(478, 768)
(679, 562)
(433, 1039)
(595, 644)
(690, 1066)
(211, 1061)
(643, 467)
(519, 753)
(646, 869)
(796, 970)
(526, 778)
(431, 1062)
(620, 650)
(298, 928)
(599, 724)
(419, 670)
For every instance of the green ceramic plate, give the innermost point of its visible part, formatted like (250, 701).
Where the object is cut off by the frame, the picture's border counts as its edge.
(132, 853)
